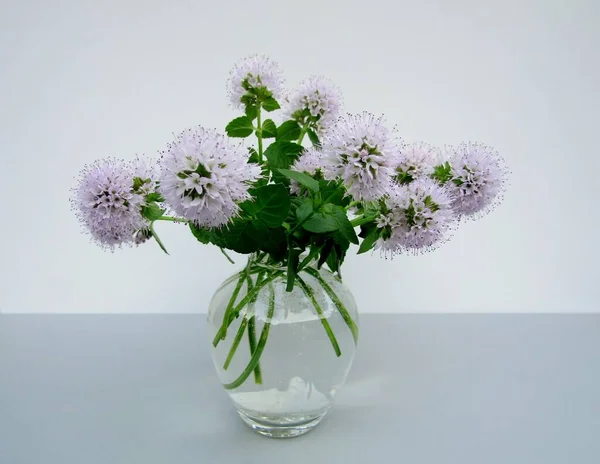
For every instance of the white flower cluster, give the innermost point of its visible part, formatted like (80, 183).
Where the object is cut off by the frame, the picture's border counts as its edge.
(317, 102)
(108, 205)
(252, 75)
(205, 175)
(414, 217)
(360, 150)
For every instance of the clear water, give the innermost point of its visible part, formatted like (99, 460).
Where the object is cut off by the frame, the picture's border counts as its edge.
(301, 373)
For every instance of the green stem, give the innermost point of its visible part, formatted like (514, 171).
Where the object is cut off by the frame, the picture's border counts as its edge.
(232, 314)
(252, 343)
(172, 219)
(160, 243)
(302, 133)
(353, 204)
(337, 302)
(259, 134)
(223, 331)
(236, 342)
(361, 220)
(259, 347)
(306, 261)
(227, 256)
(308, 292)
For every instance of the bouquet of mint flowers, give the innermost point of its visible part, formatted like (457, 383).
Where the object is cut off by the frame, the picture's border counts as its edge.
(293, 207)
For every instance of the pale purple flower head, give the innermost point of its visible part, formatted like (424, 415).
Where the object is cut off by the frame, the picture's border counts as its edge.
(254, 74)
(107, 204)
(310, 162)
(415, 160)
(416, 217)
(361, 151)
(205, 175)
(478, 179)
(317, 101)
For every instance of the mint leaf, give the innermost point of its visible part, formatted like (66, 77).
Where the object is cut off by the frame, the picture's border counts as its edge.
(442, 173)
(344, 225)
(154, 196)
(272, 204)
(321, 223)
(240, 127)
(314, 138)
(369, 241)
(281, 155)
(270, 104)
(269, 129)
(152, 211)
(288, 131)
(304, 210)
(251, 112)
(302, 178)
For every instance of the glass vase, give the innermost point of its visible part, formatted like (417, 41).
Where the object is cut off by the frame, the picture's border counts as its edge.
(282, 355)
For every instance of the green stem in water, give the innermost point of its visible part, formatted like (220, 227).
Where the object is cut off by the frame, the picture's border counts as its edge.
(232, 314)
(308, 292)
(160, 243)
(236, 342)
(337, 302)
(223, 330)
(252, 343)
(259, 347)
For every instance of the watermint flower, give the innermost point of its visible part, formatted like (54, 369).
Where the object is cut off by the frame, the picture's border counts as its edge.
(317, 102)
(415, 160)
(415, 217)
(205, 175)
(361, 151)
(107, 204)
(478, 176)
(252, 76)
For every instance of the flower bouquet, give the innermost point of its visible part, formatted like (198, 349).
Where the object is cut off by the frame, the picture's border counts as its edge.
(295, 210)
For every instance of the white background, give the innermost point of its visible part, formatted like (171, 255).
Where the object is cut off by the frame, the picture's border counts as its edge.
(83, 79)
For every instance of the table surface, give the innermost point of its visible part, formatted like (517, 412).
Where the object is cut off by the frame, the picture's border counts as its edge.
(485, 389)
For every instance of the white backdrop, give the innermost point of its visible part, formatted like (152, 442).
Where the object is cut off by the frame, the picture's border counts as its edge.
(85, 79)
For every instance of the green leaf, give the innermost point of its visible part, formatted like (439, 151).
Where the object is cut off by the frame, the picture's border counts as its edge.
(137, 183)
(240, 127)
(321, 223)
(253, 155)
(269, 129)
(302, 178)
(203, 235)
(292, 268)
(251, 112)
(304, 210)
(281, 155)
(272, 204)
(289, 130)
(314, 138)
(344, 225)
(154, 196)
(334, 192)
(152, 211)
(369, 241)
(442, 173)
(270, 104)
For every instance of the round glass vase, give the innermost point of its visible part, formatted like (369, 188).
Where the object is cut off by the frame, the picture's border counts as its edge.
(282, 355)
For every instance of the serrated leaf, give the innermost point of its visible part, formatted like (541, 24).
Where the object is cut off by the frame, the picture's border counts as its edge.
(304, 210)
(201, 234)
(288, 131)
(154, 196)
(302, 178)
(269, 129)
(344, 225)
(270, 104)
(240, 127)
(152, 211)
(251, 112)
(369, 241)
(314, 138)
(321, 223)
(272, 204)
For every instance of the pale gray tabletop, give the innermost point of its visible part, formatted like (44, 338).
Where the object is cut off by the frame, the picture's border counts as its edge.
(424, 389)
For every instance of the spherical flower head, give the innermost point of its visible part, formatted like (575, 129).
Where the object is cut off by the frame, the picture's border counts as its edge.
(361, 151)
(252, 77)
(415, 217)
(204, 176)
(108, 205)
(415, 160)
(478, 179)
(310, 162)
(317, 102)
